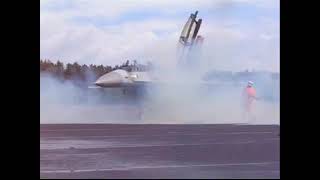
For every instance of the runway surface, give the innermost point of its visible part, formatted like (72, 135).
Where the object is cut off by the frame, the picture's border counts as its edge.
(159, 151)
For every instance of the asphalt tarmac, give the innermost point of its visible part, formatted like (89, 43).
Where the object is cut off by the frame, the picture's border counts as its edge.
(159, 151)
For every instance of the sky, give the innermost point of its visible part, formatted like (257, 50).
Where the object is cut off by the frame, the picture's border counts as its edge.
(239, 34)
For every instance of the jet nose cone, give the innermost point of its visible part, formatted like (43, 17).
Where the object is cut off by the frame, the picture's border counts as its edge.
(109, 80)
(98, 83)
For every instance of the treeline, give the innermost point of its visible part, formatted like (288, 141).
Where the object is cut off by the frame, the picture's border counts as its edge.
(240, 76)
(86, 73)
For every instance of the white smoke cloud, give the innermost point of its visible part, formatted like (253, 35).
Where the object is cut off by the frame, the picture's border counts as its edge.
(229, 45)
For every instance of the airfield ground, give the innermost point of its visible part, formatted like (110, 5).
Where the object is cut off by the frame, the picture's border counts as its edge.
(159, 151)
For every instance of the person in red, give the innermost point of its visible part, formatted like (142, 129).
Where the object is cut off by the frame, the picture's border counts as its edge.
(249, 95)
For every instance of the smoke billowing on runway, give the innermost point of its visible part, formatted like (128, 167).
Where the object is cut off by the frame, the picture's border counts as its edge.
(181, 100)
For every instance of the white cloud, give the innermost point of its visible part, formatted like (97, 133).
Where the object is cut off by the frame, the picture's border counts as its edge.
(114, 8)
(226, 47)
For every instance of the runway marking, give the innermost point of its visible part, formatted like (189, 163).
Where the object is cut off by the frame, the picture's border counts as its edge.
(104, 129)
(162, 135)
(161, 166)
(168, 145)
(57, 130)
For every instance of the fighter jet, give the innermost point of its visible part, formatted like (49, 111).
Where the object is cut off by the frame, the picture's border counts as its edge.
(123, 78)
(188, 39)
